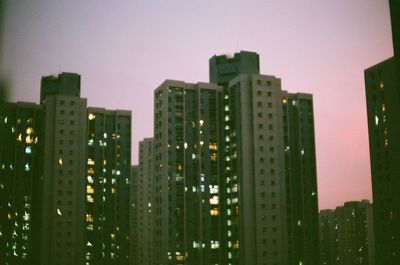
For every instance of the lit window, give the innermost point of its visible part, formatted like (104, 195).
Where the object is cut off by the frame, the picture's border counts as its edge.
(90, 179)
(29, 130)
(29, 139)
(89, 218)
(201, 122)
(213, 189)
(213, 146)
(214, 212)
(236, 245)
(214, 200)
(60, 161)
(214, 244)
(59, 212)
(89, 189)
(89, 198)
(92, 116)
(28, 150)
(284, 100)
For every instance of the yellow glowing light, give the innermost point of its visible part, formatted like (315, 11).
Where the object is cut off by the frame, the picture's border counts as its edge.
(29, 130)
(284, 100)
(89, 218)
(214, 212)
(29, 139)
(89, 189)
(89, 198)
(92, 116)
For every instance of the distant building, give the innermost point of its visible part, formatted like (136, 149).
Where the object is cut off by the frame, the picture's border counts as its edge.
(355, 240)
(142, 202)
(328, 235)
(21, 171)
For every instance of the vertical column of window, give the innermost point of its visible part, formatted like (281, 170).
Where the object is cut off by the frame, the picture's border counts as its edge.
(177, 175)
(213, 185)
(231, 142)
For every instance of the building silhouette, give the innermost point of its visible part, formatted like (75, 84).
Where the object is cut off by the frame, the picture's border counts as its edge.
(71, 202)
(382, 89)
(328, 235)
(21, 171)
(355, 240)
(186, 174)
(108, 171)
(142, 201)
(346, 234)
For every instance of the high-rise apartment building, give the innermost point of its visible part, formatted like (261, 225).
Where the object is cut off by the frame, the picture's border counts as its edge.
(270, 165)
(383, 108)
(382, 87)
(21, 171)
(257, 171)
(328, 235)
(301, 178)
(187, 204)
(108, 173)
(63, 205)
(142, 199)
(65, 179)
(355, 240)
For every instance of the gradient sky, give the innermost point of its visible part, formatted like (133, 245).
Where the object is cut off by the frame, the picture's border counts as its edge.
(125, 49)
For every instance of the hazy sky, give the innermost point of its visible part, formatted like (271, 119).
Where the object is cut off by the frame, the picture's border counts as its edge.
(125, 49)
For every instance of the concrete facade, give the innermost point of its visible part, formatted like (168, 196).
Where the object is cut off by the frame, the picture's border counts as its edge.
(63, 182)
(186, 177)
(142, 205)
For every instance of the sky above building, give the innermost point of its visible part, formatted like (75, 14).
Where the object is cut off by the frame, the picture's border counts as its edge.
(125, 49)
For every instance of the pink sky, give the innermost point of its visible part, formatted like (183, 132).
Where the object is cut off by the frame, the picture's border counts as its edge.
(125, 49)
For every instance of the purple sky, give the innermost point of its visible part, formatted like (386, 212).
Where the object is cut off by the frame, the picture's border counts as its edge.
(125, 49)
